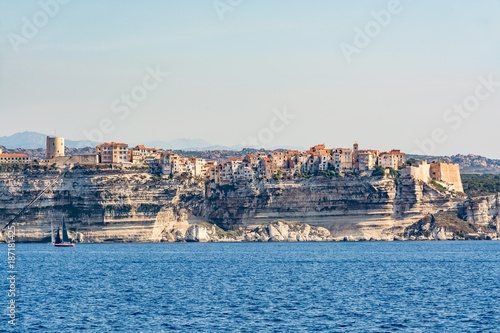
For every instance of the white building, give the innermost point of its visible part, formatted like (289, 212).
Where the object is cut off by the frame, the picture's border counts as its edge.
(393, 159)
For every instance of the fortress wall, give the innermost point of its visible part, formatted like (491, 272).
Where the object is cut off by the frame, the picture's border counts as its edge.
(448, 173)
(75, 159)
(420, 172)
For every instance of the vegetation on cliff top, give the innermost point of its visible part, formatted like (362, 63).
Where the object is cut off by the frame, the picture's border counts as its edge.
(478, 185)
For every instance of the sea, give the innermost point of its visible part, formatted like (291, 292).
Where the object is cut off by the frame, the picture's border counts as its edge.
(448, 286)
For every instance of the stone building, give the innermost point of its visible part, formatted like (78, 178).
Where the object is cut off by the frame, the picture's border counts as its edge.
(142, 154)
(367, 159)
(341, 158)
(392, 159)
(448, 173)
(54, 147)
(113, 152)
(14, 158)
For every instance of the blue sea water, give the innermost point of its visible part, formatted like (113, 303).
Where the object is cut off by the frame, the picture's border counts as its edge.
(258, 287)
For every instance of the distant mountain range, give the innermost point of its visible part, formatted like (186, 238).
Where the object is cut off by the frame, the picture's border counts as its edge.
(468, 163)
(34, 140)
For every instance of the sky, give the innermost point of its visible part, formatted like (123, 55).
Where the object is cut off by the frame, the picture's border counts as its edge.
(421, 76)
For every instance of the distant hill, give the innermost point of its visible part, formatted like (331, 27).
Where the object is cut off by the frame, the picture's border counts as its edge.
(468, 163)
(34, 140)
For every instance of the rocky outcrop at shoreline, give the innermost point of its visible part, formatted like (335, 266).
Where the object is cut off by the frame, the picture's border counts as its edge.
(278, 231)
(447, 226)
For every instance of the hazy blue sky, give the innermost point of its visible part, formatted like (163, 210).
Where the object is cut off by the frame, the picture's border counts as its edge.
(227, 76)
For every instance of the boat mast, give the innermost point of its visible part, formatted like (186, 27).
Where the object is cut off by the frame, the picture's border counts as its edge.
(52, 238)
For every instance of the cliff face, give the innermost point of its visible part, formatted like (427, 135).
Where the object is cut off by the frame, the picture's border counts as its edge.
(476, 218)
(97, 205)
(483, 212)
(133, 206)
(347, 207)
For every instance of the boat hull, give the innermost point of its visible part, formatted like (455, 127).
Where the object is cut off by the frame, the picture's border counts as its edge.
(64, 245)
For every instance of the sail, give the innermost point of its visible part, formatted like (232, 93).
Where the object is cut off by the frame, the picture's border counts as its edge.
(58, 237)
(52, 238)
(64, 232)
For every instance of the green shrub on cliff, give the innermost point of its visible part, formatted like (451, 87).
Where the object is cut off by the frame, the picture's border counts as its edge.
(6, 167)
(379, 171)
(477, 185)
(394, 173)
(438, 186)
(411, 162)
(330, 173)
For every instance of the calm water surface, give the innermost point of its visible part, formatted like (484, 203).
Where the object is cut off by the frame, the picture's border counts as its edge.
(258, 287)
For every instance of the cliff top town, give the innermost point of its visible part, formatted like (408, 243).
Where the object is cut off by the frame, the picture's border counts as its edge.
(336, 193)
(260, 165)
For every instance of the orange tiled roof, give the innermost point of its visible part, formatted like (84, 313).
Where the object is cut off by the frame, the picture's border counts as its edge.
(393, 152)
(113, 144)
(13, 155)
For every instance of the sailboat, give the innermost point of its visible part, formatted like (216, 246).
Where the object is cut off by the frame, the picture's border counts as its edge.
(64, 242)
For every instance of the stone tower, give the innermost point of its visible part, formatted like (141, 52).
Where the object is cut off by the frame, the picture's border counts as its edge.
(55, 147)
(355, 157)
